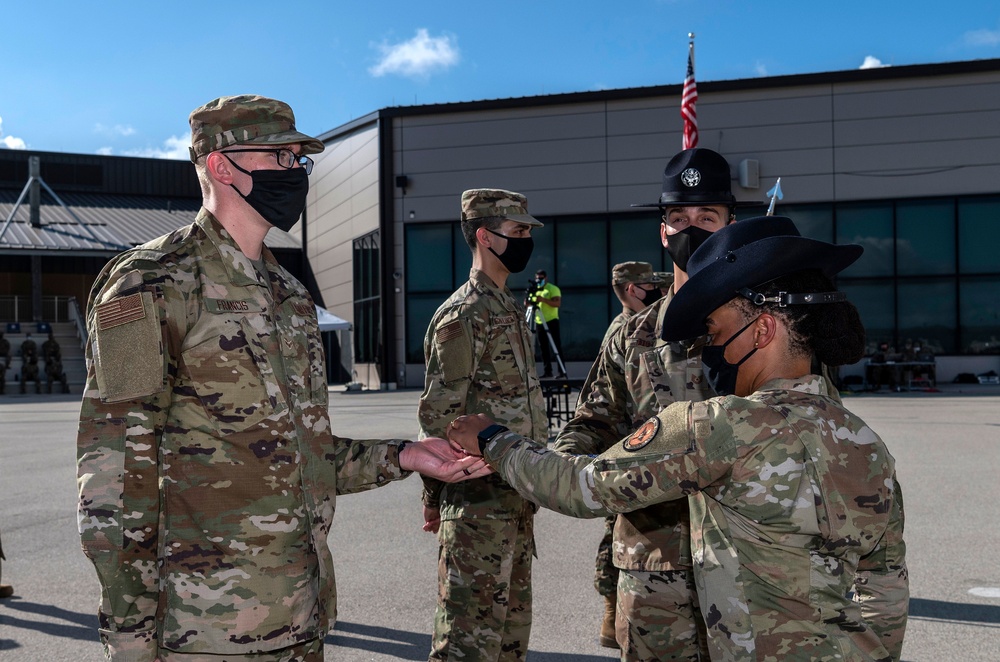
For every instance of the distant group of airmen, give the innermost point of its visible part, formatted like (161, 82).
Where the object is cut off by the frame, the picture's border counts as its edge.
(51, 355)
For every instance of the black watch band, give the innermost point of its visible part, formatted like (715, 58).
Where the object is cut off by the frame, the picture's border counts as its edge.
(487, 435)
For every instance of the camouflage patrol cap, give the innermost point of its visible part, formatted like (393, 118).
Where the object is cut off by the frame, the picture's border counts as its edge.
(247, 119)
(666, 277)
(634, 272)
(495, 202)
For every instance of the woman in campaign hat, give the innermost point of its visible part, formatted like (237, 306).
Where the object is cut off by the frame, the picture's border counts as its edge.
(794, 501)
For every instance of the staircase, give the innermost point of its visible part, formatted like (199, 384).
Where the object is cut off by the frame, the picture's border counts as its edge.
(73, 358)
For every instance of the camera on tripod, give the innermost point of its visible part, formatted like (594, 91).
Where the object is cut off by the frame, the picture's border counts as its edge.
(534, 287)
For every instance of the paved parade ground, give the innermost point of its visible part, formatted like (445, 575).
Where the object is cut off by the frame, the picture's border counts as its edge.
(947, 447)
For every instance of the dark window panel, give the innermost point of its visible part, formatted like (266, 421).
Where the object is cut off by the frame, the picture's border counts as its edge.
(925, 237)
(979, 235)
(980, 316)
(870, 225)
(927, 314)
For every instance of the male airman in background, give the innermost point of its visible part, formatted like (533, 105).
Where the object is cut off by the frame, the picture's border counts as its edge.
(50, 347)
(29, 365)
(636, 375)
(54, 372)
(667, 281)
(637, 286)
(4, 362)
(479, 359)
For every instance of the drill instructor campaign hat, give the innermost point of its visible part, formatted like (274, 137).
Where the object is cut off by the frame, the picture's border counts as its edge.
(246, 119)
(746, 254)
(496, 202)
(696, 176)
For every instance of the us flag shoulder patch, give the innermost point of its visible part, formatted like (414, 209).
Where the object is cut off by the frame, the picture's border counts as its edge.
(448, 331)
(120, 311)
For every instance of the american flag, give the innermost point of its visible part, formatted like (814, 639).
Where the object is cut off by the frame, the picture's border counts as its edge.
(688, 98)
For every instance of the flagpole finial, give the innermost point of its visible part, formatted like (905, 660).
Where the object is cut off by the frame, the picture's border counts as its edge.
(690, 35)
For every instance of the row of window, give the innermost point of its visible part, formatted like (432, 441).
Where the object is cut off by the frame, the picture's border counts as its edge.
(930, 273)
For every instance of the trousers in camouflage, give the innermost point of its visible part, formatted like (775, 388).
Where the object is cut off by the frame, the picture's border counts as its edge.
(484, 589)
(310, 651)
(657, 616)
(605, 572)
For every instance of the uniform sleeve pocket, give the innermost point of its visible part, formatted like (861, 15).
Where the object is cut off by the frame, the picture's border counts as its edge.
(128, 352)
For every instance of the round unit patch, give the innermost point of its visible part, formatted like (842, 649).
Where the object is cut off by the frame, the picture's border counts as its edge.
(691, 177)
(641, 437)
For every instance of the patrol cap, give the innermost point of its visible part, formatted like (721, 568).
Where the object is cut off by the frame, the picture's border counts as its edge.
(696, 176)
(634, 272)
(247, 119)
(496, 202)
(666, 276)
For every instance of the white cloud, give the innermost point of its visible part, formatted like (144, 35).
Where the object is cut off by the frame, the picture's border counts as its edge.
(10, 142)
(872, 62)
(760, 68)
(104, 151)
(116, 130)
(982, 38)
(174, 147)
(417, 57)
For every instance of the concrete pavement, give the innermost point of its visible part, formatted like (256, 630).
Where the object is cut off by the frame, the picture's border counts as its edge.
(947, 447)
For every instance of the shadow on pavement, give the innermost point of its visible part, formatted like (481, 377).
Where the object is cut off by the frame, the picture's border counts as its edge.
(954, 611)
(405, 645)
(386, 641)
(76, 626)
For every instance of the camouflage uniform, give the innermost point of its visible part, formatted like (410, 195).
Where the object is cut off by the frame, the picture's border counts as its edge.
(54, 372)
(208, 473)
(605, 572)
(50, 347)
(478, 353)
(4, 361)
(792, 497)
(636, 375)
(29, 366)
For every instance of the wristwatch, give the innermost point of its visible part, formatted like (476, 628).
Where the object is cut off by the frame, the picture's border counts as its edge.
(486, 436)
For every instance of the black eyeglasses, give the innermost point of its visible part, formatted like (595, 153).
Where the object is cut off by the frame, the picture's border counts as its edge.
(286, 158)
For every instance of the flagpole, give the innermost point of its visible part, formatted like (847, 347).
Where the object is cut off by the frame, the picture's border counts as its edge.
(689, 96)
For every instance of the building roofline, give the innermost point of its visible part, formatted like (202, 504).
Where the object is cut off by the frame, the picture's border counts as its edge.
(759, 83)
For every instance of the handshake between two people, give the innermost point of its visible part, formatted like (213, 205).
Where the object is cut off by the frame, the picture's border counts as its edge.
(451, 460)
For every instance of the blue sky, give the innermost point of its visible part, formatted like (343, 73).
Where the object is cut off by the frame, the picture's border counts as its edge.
(121, 77)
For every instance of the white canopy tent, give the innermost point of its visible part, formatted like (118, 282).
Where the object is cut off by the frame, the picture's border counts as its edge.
(330, 322)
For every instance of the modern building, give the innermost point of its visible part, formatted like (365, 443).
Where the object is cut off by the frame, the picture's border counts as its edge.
(63, 216)
(904, 160)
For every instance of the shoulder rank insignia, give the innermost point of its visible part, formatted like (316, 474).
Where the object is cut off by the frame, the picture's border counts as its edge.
(641, 437)
(120, 311)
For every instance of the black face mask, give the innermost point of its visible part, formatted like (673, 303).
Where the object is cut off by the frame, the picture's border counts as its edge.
(684, 243)
(279, 196)
(720, 373)
(649, 297)
(515, 257)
